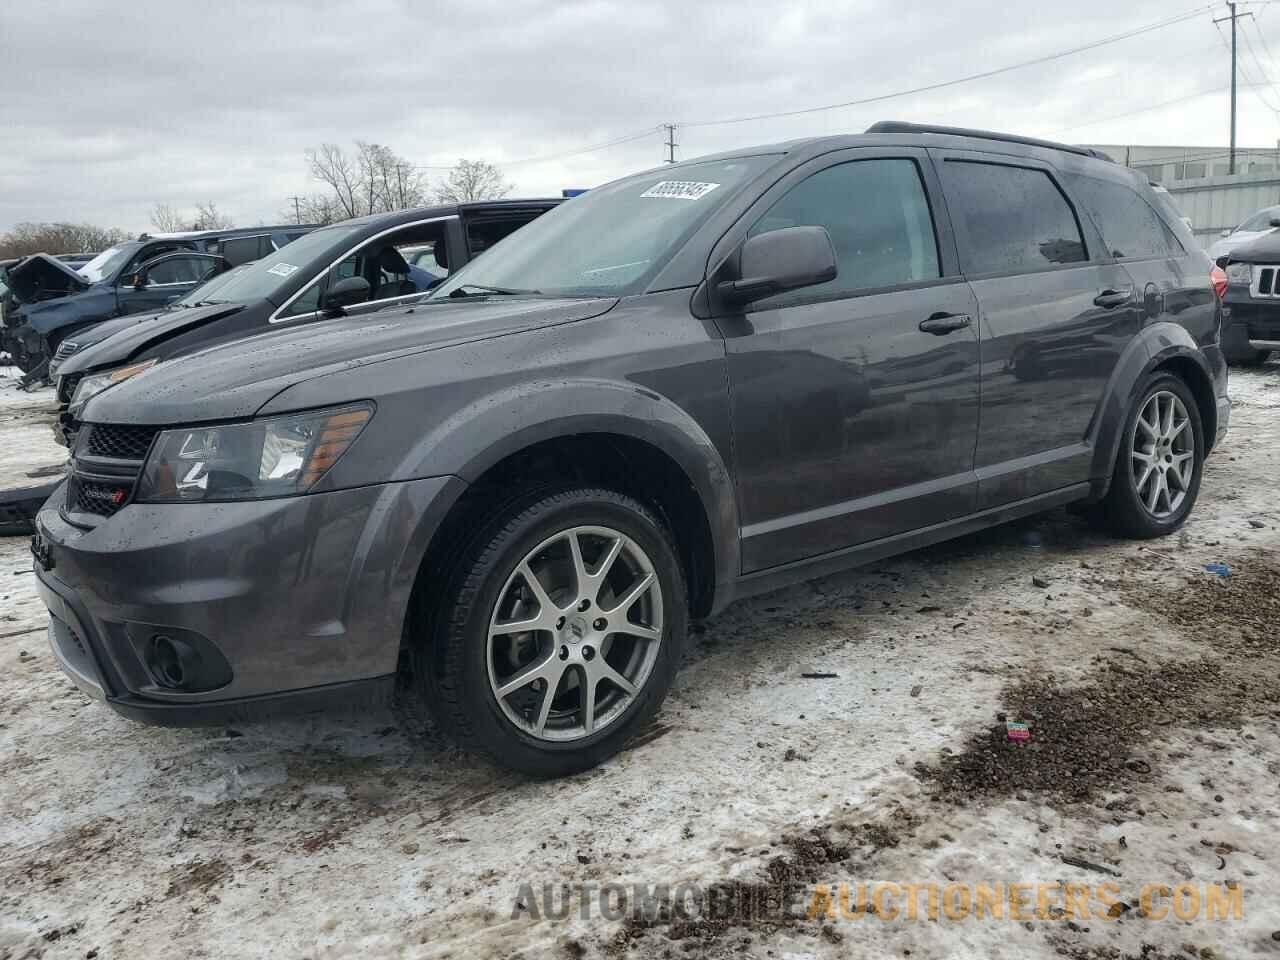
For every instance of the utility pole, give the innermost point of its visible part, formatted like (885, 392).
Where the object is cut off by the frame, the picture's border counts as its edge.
(671, 142)
(297, 209)
(1233, 17)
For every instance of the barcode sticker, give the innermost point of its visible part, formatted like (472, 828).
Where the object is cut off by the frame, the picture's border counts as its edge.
(282, 269)
(680, 190)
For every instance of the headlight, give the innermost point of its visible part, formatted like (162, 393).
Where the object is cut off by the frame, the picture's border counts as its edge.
(95, 383)
(277, 457)
(1239, 273)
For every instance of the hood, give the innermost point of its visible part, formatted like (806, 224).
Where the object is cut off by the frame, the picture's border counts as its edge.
(41, 277)
(1263, 249)
(118, 341)
(234, 380)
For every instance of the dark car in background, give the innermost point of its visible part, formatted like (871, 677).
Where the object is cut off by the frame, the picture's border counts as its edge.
(1251, 306)
(50, 300)
(346, 269)
(692, 384)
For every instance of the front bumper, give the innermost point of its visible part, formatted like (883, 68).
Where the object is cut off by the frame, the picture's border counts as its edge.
(1249, 324)
(289, 604)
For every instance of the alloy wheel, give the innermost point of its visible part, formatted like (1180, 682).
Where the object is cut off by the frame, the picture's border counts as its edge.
(574, 634)
(1163, 454)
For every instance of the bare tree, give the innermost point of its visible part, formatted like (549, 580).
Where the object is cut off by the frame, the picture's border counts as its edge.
(166, 219)
(473, 180)
(372, 180)
(335, 170)
(319, 209)
(28, 238)
(208, 217)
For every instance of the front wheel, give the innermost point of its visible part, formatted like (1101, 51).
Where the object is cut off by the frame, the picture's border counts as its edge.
(561, 630)
(1159, 464)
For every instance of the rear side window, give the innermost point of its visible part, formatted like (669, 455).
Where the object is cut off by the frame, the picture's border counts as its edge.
(1010, 219)
(878, 217)
(1129, 226)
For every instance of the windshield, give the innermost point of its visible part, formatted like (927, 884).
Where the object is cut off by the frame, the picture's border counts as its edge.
(263, 278)
(609, 241)
(107, 262)
(207, 291)
(1260, 220)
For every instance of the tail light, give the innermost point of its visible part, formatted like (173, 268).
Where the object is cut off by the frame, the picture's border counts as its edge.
(1218, 277)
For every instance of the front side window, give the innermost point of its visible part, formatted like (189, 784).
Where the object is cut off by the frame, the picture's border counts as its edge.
(180, 270)
(400, 264)
(612, 240)
(877, 215)
(1128, 224)
(1010, 219)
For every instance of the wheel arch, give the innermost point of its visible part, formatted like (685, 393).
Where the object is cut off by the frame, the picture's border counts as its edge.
(1162, 346)
(632, 440)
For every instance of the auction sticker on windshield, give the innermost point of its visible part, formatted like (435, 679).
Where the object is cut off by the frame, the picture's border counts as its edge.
(283, 269)
(680, 190)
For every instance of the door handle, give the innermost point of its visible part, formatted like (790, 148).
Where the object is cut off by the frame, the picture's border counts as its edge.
(1110, 299)
(941, 324)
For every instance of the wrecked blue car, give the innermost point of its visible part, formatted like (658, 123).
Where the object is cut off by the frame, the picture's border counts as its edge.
(49, 299)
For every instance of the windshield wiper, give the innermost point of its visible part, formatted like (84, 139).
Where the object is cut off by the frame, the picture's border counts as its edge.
(461, 291)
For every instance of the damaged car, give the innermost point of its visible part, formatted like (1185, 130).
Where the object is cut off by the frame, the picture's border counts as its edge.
(1251, 303)
(50, 300)
(347, 269)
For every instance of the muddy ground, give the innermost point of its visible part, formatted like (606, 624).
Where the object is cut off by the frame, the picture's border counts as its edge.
(1150, 688)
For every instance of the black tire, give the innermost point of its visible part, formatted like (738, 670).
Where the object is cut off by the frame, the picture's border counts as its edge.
(449, 645)
(1123, 511)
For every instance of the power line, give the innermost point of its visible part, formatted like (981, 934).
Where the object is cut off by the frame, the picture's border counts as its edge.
(1257, 61)
(647, 132)
(1168, 22)
(1131, 113)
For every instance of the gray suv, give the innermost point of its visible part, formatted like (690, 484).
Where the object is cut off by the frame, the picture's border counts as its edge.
(683, 387)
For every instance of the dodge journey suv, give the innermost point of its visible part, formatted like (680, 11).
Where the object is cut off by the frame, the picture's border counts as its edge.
(677, 389)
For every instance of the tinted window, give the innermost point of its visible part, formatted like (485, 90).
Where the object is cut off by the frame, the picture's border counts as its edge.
(180, 270)
(878, 217)
(1010, 219)
(1129, 227)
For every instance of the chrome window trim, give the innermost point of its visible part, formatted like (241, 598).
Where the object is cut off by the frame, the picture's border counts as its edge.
(276, 318)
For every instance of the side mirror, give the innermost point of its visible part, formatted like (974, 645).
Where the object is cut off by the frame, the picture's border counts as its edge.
(347, 293)
(138, 280)
(1275, 221)
(781, 260)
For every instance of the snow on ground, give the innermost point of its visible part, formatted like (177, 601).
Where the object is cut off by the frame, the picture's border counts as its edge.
(31, 455)
(1151, 688)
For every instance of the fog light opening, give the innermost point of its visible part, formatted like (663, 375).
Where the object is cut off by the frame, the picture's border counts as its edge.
(170, 661)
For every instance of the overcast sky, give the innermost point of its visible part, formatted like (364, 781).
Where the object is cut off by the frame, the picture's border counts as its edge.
(108, 108)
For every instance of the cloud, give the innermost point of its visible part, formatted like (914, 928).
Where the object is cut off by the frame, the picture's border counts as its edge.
(108, 110)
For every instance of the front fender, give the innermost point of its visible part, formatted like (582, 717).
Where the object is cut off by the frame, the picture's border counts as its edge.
(477, 436)
(1153, 346)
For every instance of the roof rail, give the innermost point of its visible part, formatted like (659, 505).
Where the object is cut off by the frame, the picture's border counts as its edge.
(900, 126)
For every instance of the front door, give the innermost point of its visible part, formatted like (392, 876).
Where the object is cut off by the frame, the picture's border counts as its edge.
(855, 402)
(1056, 312)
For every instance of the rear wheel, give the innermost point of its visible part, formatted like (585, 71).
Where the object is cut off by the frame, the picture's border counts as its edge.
(561, 629)
(1159, 464)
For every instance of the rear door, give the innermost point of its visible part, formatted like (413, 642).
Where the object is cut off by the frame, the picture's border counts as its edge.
(1055, 311)
(854, 402)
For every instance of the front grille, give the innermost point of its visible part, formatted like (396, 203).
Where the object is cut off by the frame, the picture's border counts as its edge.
(96, 497)
(65, 349)
(119, 442)
(1266, 282)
